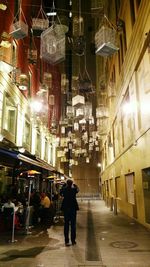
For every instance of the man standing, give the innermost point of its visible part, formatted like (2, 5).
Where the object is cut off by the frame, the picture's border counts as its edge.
(69, 207)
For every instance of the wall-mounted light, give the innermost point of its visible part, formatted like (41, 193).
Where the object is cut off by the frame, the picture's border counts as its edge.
(1, 137)
(36, 105)
(99, 165)
(21, 149)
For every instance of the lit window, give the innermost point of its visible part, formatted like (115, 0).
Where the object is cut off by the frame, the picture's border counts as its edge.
(9, 117)
(27, 132)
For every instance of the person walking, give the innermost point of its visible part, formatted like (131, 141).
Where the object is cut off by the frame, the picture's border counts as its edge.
(69, 208)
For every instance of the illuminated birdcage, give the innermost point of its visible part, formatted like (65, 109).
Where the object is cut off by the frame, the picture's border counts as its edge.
(111, 90)
(102, 127)
(47, 79)
(78, 100)
(70, 111)
(102, 112)
(52, 46)
(105, 41)
(88, 110)
(79, 113)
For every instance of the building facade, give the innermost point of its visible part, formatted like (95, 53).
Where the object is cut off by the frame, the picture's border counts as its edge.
(125, 166)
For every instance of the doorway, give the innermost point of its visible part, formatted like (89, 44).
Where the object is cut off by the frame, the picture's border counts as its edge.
(146, 191)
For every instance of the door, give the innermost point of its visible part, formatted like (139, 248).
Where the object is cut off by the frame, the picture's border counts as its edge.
(146, 191)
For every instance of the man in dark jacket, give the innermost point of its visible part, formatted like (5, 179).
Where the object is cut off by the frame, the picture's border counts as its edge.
(69, 207)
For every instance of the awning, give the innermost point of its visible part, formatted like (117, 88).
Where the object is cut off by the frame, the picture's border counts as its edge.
(45, 164)
(36, 162)
(8, 153)
(8, 158)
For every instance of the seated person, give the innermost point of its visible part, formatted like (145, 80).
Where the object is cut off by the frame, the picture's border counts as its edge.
(8, 204)
(8, 210)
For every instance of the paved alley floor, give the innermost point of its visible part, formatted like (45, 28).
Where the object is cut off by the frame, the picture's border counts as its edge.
(103, 239)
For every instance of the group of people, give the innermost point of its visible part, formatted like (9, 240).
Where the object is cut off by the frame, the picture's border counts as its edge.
(41, 210)
(44, 211)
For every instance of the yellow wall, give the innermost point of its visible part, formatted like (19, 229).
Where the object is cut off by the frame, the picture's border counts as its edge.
(132, 131)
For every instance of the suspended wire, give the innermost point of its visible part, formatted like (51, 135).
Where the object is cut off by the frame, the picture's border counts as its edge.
(59, 9)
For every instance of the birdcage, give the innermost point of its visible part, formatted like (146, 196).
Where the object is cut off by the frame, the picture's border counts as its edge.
(32, 56)
(70, 111)
(47, 79)
(52, 46)
(40, 23)
(19, 29)
(78, 100)
(102, 112)
(51, 100)
(24, 82)
(105, 41)
(61, 25)
(5, 40)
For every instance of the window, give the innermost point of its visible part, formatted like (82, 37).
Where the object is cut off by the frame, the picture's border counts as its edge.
(129, 178)
(127, 119)
(38, 144)
(118, 187)
(27, 132)
(9, 117)
(30, 82)
(46, 150)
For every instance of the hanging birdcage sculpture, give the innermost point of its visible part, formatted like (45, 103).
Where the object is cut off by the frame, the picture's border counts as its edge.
(78, 34)
(5, 40)
(40, 23)
(102, 127)
(84, 81)
(88, 110)
(61, 25)
(47, 79)
(70, 111)
(15, 76)
(32, 51)
(78, 101)
(105, 39)
(53, 43)
(102, 112)
(52, 46)
(20, 27)
(111, 90)
(24, 82)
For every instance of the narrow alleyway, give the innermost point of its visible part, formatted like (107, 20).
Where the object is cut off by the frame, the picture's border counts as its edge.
(103, 239)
